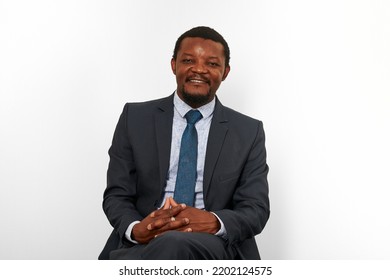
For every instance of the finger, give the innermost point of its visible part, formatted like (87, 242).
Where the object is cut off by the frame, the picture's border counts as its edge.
(174, 203)
(161, 213)
(175, 225)
(164, 222)
(180, 230)
(169, 212)
(185, 229)
(167, 203)
(176, 210)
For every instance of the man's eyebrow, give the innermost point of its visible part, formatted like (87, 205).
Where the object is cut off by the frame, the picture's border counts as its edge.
(210, 57)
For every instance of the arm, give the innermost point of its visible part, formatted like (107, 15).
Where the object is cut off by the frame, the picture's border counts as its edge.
(249, 210)
(120, 194)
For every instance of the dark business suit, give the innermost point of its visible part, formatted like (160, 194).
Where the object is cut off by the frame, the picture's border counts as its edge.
(235, 173)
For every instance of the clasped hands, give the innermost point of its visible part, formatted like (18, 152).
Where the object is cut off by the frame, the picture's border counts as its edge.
(174, 216)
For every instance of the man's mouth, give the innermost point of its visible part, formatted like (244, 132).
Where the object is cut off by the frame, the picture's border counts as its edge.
(198, 81)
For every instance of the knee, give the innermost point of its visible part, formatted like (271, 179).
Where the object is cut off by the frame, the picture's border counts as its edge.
(170, 245)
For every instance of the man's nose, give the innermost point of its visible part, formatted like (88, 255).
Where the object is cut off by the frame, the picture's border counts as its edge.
(199, 68)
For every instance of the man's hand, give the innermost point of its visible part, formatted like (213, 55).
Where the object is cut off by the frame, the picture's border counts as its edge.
(174, 216)
(160, 221)
(199, 220)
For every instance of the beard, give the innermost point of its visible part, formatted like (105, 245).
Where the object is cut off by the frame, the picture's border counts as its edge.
(196, 100)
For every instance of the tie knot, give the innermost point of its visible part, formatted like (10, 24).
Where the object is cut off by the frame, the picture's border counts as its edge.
(193, 116)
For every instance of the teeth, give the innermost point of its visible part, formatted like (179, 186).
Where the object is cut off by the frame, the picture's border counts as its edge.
(197, 81)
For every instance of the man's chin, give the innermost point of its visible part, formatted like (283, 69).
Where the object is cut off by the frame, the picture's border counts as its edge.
(197, 99)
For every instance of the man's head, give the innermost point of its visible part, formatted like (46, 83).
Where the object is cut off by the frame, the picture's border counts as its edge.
(205, 33)
(200, 62)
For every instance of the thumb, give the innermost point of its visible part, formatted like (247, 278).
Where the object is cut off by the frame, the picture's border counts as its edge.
(174, 203)
(167, 203)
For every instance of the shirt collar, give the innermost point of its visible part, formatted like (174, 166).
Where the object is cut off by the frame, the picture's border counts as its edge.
(183, 108)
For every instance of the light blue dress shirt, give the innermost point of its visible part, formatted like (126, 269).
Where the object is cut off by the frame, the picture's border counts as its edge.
(202, 127)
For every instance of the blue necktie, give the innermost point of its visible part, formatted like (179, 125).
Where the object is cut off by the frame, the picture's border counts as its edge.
(187, 173)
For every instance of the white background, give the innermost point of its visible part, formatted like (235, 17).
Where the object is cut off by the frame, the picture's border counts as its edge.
(317, 73)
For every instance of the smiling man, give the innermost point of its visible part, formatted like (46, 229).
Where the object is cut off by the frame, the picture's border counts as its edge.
(187, 177)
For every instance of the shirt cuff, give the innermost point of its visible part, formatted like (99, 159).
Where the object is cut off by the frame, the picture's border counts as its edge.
(222, 231)
(129, 231)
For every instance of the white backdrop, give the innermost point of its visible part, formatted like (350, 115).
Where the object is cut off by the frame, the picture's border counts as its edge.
(316, 72)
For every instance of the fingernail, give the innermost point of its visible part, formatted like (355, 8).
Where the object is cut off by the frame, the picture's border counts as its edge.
(149, 227)
(183, 205)
(173, 219)
(187, 221)
(189, 230)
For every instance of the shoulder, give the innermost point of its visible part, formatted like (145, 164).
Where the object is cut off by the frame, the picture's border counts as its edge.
(149, 104)
(148, 107)
(239, 117)
(236, 119)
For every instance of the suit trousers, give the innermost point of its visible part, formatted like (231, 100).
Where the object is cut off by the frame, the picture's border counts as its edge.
(175, 245)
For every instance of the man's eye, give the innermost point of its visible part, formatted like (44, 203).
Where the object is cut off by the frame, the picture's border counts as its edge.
(187, 60)
(215, 64)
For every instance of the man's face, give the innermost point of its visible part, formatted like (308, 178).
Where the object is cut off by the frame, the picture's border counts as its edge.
(199, 68)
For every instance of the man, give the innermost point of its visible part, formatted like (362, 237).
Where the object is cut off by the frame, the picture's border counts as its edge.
(187, 177)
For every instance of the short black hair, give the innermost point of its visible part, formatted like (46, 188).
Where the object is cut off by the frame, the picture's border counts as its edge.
(205, 33)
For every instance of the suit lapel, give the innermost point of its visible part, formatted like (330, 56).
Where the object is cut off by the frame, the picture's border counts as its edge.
(217, 134)
(163, 119)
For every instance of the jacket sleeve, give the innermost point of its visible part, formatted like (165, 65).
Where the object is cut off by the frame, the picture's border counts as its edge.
(250, 209)
(120, 194)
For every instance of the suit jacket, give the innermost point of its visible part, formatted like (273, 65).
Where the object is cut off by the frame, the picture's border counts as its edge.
(235, 173)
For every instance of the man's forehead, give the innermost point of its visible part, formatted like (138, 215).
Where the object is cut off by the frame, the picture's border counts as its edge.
(193, 40)
(190, 42)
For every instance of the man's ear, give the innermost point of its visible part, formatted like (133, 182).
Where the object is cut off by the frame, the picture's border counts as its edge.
(227, 70)
(173, 65)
